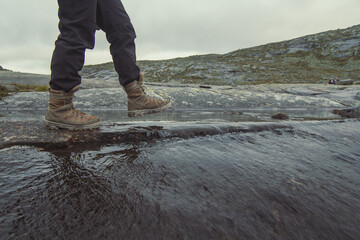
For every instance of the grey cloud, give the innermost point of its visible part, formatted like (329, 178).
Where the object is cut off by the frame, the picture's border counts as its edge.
(172, 28)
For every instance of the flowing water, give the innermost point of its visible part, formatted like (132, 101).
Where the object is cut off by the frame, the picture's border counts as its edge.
(297, 182)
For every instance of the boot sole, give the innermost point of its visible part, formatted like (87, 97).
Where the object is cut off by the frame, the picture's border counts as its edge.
(139, 113)
(56, 126)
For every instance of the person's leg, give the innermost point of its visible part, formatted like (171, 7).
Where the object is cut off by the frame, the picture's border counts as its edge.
(115, 22)
(77, 32)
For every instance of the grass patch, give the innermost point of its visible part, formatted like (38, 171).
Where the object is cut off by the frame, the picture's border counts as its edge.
(4, 92)
(31, 88)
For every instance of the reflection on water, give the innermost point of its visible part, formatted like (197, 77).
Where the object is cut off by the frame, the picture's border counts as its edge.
(233, 115)
(292, 183)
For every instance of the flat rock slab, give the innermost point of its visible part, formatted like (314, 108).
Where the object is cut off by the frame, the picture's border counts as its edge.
(193, 97)
(200, 103)
(10, 77)
(33, 133)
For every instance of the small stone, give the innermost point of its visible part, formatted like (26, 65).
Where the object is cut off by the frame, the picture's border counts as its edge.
(232, 113)
(344, 82)
(280, 116)
(357, 96)
(347, 113)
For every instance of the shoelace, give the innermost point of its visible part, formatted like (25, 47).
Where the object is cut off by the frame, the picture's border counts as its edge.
(73, 109)
(141, 87)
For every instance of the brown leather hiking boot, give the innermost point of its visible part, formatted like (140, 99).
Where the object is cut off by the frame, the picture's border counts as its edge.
(62, 114)
(139, 103)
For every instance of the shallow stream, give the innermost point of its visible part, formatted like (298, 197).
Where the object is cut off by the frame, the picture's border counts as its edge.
(297, 182)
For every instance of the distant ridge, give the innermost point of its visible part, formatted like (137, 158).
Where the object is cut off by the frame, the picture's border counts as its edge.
(310, 59)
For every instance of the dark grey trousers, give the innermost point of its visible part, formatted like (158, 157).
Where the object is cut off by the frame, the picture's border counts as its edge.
(78, 22)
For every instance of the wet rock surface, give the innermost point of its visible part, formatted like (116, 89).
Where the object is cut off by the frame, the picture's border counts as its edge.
(34, 133)
(216, 166)
(297, 180)
(190, 102)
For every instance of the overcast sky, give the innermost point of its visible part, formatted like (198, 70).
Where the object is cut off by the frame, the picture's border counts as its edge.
(172, 28)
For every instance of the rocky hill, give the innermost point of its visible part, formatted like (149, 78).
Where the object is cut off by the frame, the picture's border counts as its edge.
(311, 59)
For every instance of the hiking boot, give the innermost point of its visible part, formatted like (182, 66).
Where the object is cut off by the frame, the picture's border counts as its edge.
(62, 114)
(139, 103)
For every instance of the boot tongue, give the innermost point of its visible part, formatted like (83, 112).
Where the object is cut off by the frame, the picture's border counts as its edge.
(141, 79)
(74, 89)
(55, 91)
